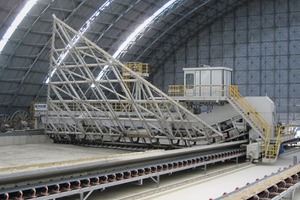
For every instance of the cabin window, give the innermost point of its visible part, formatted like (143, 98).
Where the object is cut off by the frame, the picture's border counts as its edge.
(189, 80)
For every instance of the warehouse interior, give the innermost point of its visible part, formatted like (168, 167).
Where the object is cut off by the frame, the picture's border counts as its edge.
(108, 98)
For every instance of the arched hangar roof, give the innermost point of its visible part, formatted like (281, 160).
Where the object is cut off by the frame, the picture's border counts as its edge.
(24, 61)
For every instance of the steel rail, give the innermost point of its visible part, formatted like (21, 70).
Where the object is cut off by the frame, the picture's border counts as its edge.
(86, 177)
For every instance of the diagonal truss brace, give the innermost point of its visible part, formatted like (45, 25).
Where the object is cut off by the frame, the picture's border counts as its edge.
(111, 109)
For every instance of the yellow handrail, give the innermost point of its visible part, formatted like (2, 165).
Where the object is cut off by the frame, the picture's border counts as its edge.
(136, 67)
(278, 140)
(176, 90)
(249, 110)
(258, 121)
(198, 90)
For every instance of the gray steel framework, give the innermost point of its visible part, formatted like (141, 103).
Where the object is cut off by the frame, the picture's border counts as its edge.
(82, 107)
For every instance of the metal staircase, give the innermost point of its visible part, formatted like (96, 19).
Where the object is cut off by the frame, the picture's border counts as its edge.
(270, 146)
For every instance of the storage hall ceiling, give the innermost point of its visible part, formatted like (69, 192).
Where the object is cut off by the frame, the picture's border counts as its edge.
(259, 39)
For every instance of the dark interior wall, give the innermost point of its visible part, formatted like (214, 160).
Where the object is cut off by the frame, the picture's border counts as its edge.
(260, 41)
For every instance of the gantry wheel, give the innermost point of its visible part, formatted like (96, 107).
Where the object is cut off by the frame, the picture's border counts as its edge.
(19, 120)
(4, 122)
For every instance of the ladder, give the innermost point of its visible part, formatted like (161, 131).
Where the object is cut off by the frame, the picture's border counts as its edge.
(270, 148)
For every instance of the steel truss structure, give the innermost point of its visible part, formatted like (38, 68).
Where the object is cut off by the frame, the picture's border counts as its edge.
(90, 100)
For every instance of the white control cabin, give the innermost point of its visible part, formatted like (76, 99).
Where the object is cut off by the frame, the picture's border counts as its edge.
(207, 81)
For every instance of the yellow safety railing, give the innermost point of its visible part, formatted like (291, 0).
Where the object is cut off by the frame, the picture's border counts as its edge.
(71, 106)
(121, 107)
(248, 109)
(273, 150)
(255, 117)
(127, 84)
(176, 90)
(137, 67)
(278, 140)
(198, 90)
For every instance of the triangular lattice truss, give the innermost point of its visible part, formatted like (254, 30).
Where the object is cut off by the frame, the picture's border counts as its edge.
(83, 107)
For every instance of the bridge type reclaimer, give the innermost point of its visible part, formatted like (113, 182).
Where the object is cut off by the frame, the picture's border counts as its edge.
(94, 98)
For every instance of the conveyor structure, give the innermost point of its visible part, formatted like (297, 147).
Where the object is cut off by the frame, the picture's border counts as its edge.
(85, 176)
(94, 98)
(277, 186)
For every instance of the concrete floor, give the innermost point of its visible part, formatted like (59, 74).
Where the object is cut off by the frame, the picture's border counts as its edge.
(41, 154)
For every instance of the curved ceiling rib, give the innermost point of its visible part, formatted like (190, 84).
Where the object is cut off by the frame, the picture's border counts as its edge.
(103, 33)
(38, 55)
(116, 20)
(7, 12)
(172, 26)
(81, 31)
(26, 61)
(163, 27)
(48, 42)
(133, 36)
(159, 56)
(15, 23)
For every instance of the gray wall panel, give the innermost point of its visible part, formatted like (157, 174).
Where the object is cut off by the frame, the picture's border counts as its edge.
(261, 42)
